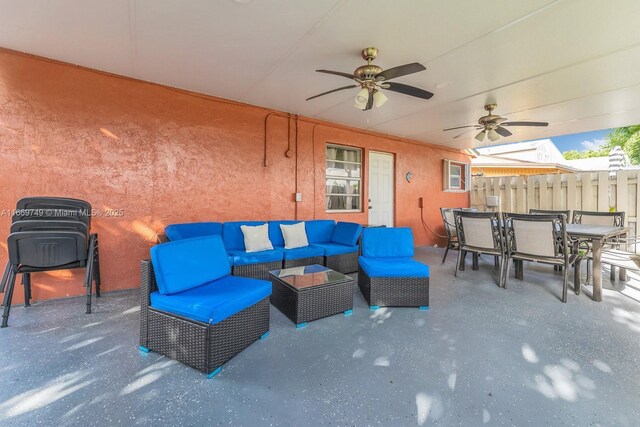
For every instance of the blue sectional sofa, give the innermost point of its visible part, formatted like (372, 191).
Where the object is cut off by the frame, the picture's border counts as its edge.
(388, 275)
(192, 308)
(332, 244)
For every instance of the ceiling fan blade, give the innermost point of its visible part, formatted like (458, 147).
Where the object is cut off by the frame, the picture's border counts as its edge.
(525, 124)
(503, 132)
(331, 91)
(400, 71)
(460, 134)
(481, 135)
(337, 73)
(409, 90)
(462, 127)
(369, 102)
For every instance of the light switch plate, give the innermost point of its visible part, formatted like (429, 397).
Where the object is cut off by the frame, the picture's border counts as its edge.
(298, 197)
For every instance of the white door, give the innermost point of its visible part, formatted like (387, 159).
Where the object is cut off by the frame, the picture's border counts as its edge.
(381, 189)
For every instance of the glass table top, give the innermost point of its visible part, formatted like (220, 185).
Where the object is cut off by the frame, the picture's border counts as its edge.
(309, 276)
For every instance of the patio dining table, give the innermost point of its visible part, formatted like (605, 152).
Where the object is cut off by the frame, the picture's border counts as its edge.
(596, 235)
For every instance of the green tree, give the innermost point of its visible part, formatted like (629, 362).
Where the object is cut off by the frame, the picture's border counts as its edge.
(628, 138)
(575, 154)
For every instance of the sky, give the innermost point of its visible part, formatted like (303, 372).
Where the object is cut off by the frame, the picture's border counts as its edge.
(580, 141)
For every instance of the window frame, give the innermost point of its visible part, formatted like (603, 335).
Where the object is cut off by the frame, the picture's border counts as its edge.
(343, 178)
(453, 176)
(463, 176)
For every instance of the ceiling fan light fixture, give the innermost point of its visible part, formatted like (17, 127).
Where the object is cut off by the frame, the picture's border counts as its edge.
(379, 99)
(362, 97)
(480, 136)
(493, 135)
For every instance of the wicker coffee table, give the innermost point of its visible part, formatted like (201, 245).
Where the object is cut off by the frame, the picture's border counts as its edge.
(311, 292)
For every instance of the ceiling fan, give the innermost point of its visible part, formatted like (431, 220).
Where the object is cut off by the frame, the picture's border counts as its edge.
(371, 78)
(492, 125)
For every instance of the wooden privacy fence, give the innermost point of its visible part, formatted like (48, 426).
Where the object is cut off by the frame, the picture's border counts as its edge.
(590, 191)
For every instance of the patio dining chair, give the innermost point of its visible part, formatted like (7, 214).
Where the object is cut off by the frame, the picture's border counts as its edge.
(552, 212)
(49, 233)
(53, 209)
(47, 250)
(479, 233)
(449, 220)
(535, 237)
(611, 219)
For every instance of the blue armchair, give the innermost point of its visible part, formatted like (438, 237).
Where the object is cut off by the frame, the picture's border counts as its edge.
(193, 310)
(388, 275)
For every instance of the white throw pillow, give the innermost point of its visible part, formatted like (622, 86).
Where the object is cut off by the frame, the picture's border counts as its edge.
(295, 235)
(256, 238)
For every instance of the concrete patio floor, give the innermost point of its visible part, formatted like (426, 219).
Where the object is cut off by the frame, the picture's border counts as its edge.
(480, 355)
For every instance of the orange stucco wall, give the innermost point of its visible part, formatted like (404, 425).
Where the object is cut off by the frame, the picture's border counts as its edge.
(162, 155)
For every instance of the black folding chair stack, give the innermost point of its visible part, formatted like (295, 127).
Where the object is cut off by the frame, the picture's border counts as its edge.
(50, 233)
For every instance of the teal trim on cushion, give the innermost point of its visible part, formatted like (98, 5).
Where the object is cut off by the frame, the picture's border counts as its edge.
(189, 263)
(215, 301)
(384, 242)
(192, 229)
(393, 267)
(319, 230)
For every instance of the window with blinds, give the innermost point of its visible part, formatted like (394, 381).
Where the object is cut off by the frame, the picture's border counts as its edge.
(343, 179)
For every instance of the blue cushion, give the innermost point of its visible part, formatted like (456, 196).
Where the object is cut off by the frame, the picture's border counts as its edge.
(299, 253)
(387, 242)
(275, 233)
(331, 249)
(189, 263)
(393, 267)
(346, 233)
(233, 236)
(214, 301)
(319, 230)
(192, 229)
(246, 258)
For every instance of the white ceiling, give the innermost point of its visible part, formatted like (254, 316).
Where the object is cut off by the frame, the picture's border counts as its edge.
(573, 63)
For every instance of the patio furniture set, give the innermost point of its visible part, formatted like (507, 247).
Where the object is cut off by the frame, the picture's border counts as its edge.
(197, 307)
(47, 234)
(329, 243)
(546, 237)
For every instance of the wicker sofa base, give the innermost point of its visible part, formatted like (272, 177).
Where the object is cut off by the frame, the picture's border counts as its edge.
(203, 346)
(394, 291)
(256, 271)
(200, 345)
(313, 303)
(288, 263)
(345, 263)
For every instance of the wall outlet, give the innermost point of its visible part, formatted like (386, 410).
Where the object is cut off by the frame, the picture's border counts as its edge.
(420, 202)
(298, 197)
